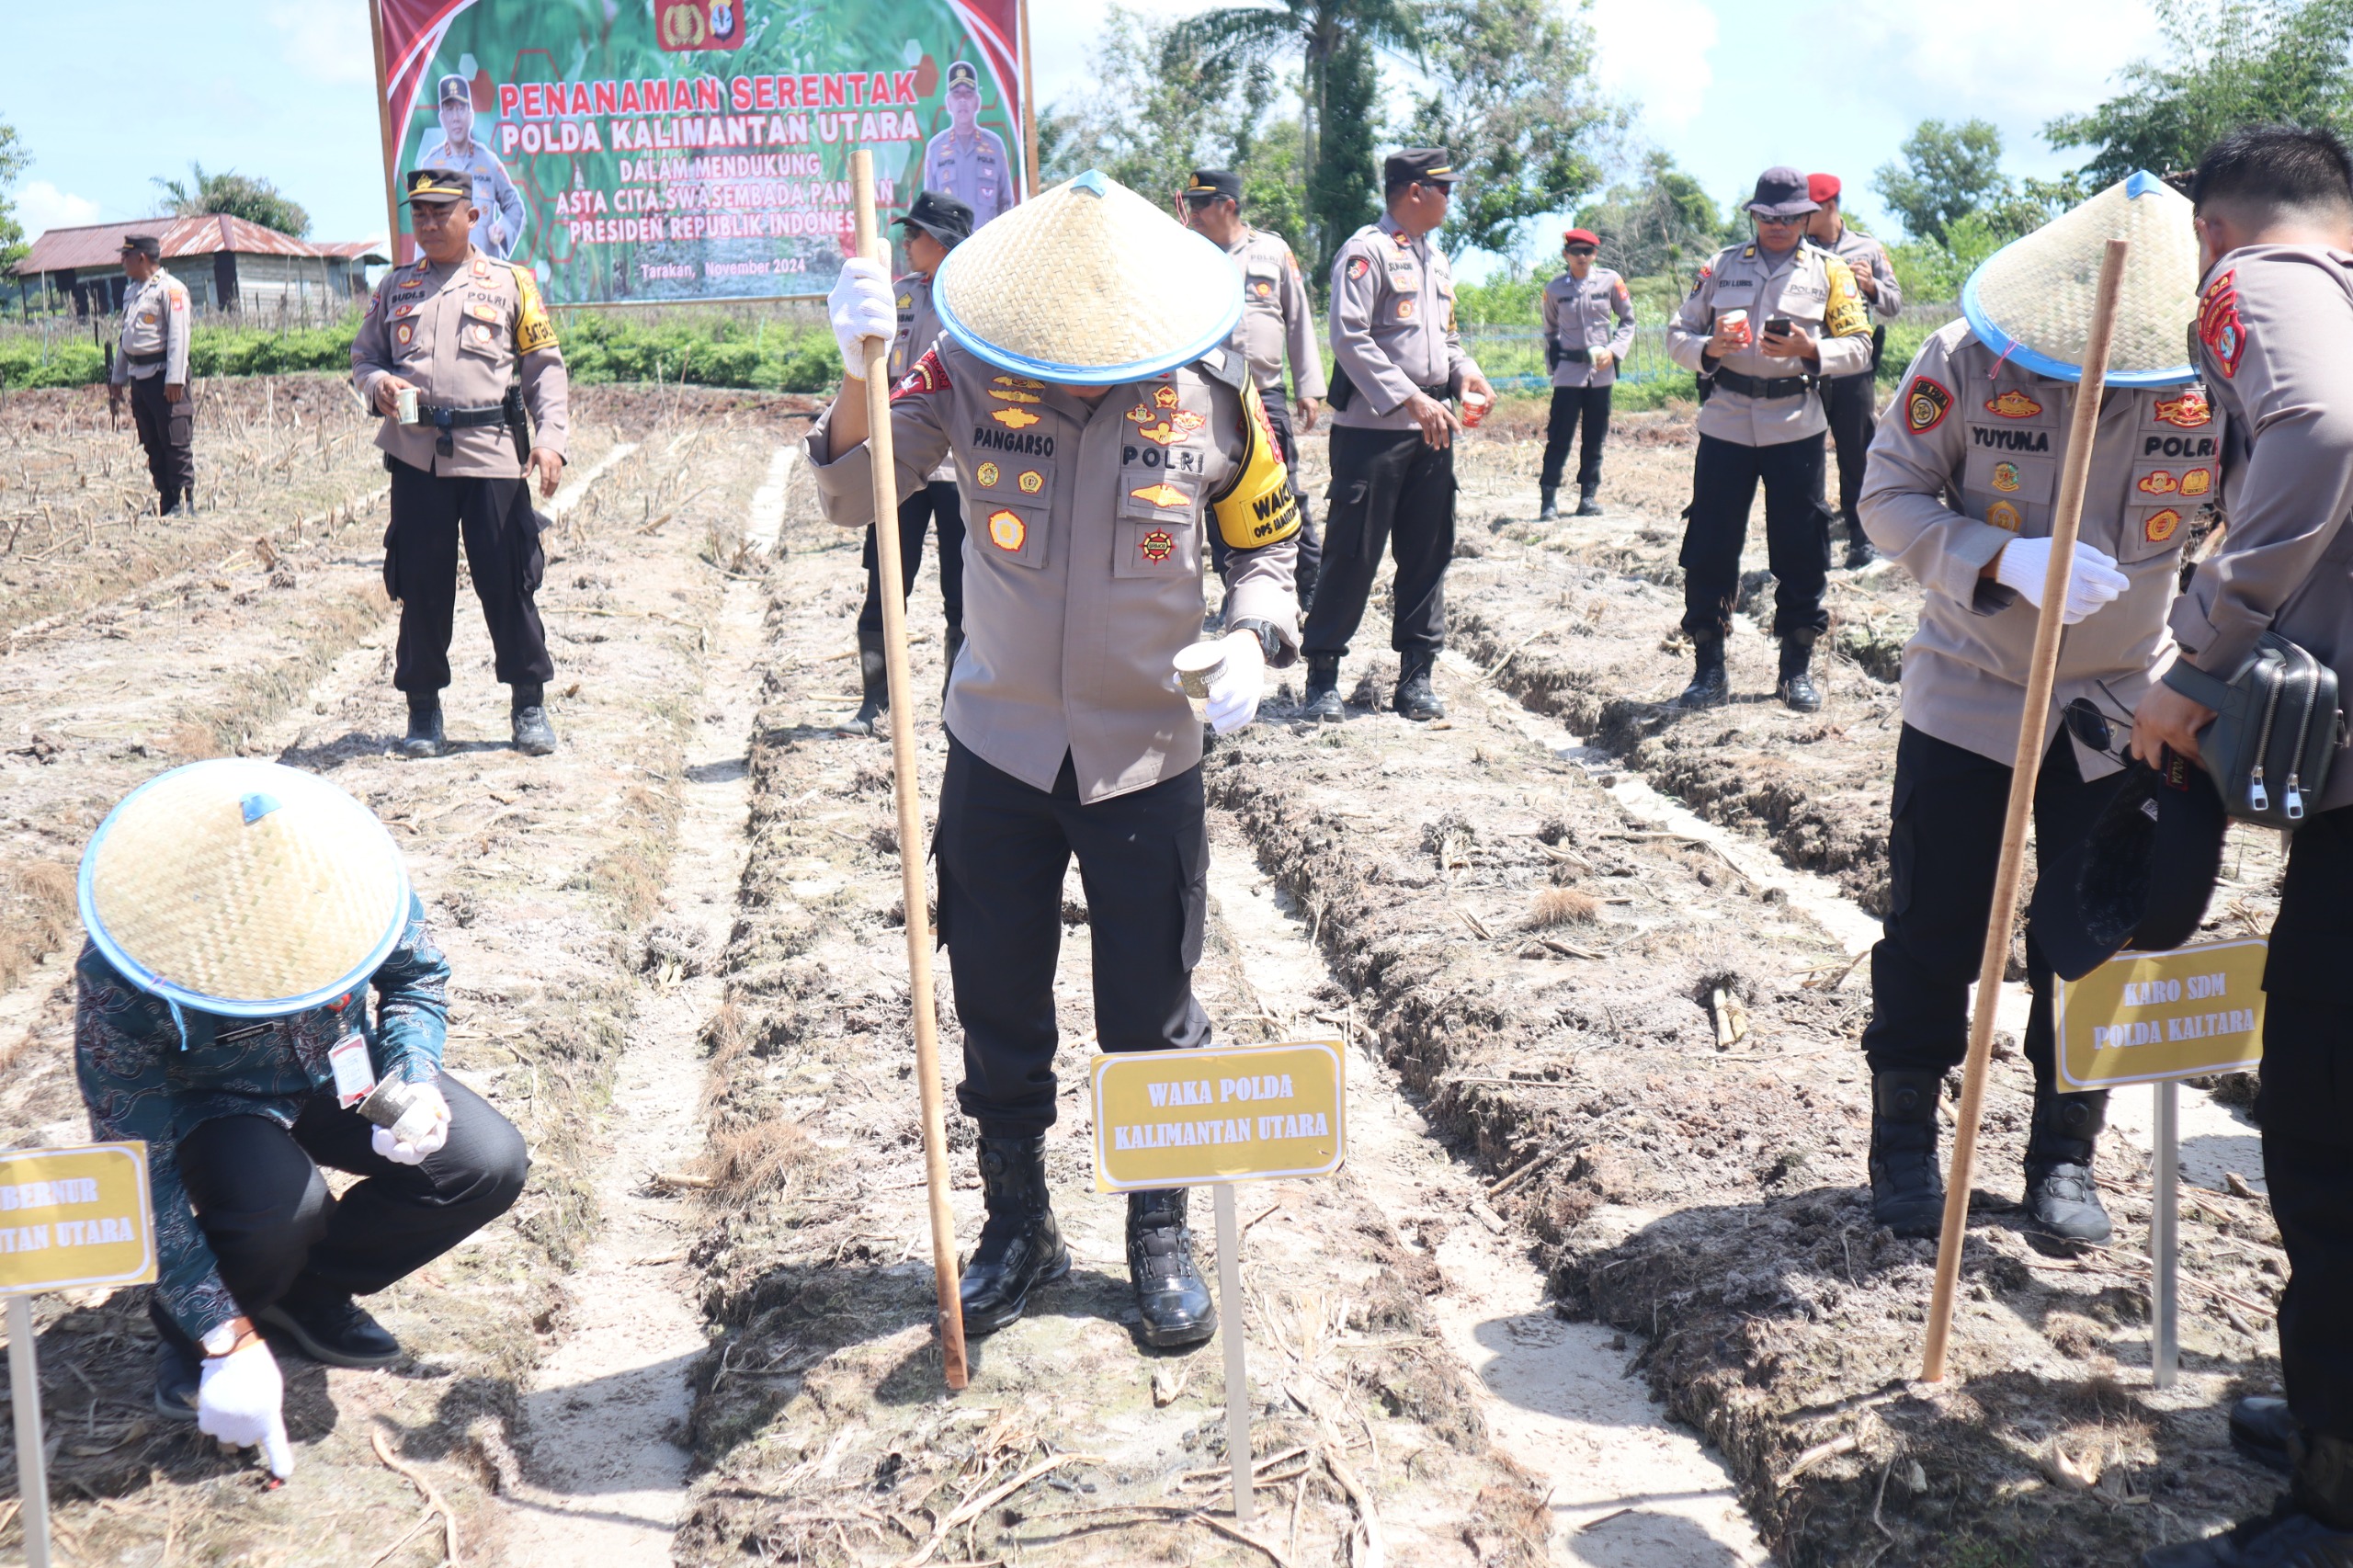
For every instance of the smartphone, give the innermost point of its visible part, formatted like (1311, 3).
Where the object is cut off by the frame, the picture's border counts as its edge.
(1779, 325)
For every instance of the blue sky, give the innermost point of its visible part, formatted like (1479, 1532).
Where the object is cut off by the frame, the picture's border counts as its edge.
(280, 88)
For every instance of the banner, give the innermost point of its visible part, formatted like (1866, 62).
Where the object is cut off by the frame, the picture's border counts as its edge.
(653, 150)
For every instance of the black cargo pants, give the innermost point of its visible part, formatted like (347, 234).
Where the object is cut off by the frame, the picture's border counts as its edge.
(1797, 534)
(1389, 488)
(167, 432)
(430, 512)
(1852, 405)
(1581, 413)
(938, 501)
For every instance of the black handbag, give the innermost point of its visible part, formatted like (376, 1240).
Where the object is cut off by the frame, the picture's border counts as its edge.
(2275, 731)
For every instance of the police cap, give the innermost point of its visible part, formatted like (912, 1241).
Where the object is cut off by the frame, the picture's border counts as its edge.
(147, 245)
(1210, 184)
(439, 184)
(454, 90)
(942, 217)
(1781, 193)
(2140, 878)
(1430, 166)
(963, 74)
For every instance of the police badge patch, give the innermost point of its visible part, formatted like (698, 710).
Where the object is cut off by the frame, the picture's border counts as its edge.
(2218, 327)
(2160, 526)
(1358, 267)
(926, 375)
(1926, 405)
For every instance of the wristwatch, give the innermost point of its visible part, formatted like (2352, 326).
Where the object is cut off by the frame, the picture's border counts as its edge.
(1271, 643)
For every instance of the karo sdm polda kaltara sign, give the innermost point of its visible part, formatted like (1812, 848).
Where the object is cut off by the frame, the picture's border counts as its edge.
(651, 150)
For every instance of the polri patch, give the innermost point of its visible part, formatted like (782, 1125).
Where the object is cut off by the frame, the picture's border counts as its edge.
(2218, 327)
(1926, 405)
(1358, 267)
(926, 375)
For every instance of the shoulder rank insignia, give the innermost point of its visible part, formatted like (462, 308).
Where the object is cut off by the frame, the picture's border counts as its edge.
(2013, 404)
(1925, 404)
(2218, 327)
(926, 375)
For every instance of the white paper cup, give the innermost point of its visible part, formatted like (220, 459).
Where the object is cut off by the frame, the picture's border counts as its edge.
(1738, 322)
(404, 406)
(1197, 666)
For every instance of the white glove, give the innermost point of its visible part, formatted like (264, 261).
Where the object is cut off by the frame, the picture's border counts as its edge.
(241, 1400)
(1234, 695)
(2093, 582)
(860, 307)
(422, 1132)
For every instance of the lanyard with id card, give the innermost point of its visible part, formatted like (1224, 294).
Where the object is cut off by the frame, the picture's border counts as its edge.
(355, 1075)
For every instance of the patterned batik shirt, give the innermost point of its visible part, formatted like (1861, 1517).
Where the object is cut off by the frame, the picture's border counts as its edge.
(153, 1073)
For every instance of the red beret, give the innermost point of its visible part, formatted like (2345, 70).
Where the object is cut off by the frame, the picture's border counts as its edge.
(1581, 237)
(1822, 187)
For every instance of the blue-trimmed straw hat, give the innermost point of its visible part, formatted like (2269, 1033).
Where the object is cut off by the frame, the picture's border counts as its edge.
(1087, 284)
(2033, 299)
(242, 888)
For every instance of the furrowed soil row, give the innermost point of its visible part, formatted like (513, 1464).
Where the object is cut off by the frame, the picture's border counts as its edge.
(542, 877)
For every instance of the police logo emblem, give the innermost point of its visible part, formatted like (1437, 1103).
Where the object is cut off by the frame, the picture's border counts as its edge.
(2003, 514)
(1925, 404)
(1164, 397)
(2158, 482)
(1006, 530)
(987, 474)
(2160, 526)
(2013, 404)
(1263, 288)
(1156, 546)
(2198, 481)
(1031, 482)
(2006, 476)
(1404, 310)
(2189, 410)
(2218, 327)
(1358, 267)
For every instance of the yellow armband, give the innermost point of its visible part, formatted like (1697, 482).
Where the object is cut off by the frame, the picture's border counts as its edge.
(1258, 509)
(533, 330)
(1844, 315)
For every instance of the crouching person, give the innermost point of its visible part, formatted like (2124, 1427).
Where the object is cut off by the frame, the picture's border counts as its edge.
(239, 913)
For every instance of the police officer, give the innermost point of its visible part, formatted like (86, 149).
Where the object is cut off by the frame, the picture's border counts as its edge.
(1851, 402)
(1962, 487)
(152, 361)
(935, 224)
(470, 337)
(1767, 320)
(499, 212)
(1589, 326)
(968, 160)
(2273, 331)
(1095, 443)
(1276, 317)
(1400, 356)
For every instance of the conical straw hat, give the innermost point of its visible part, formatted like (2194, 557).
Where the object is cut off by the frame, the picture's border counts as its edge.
(242, 888)
(2033, 299)
(1087, 284)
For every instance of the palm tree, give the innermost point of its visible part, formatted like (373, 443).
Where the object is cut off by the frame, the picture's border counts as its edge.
(1320, 30)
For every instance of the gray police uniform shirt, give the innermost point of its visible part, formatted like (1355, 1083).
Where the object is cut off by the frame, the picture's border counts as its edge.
(1863, 255)
(1083, 551)
(461, 335)
(1967, 460)
(1807, 285)
(976, 172)
(155, 317)
(2274, 332)
(1393, 326)
(499, 212)
(1276, 317)
(918, 330)
(1594, 311)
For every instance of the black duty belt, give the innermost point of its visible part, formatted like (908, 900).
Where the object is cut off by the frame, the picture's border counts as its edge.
(1764, 386)
(155, 358)
(1578, 356)
(448, 419)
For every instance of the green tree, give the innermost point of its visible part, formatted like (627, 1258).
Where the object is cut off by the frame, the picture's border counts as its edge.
(1513, 98)
(1661, 221)
(236, 195)
(1945, 171)
(2229, 62)
(13, 160)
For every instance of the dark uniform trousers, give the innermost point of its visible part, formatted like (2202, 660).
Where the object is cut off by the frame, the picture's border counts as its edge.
(1003, 846)
(1389, 488)
(1852, 404)
(167, 431)
(1575, 407)
(276, 1230)
(1797, 533)
(2306, 1111)
(1310, 536)
(503, 555)
(1942, 848)
(940, 500)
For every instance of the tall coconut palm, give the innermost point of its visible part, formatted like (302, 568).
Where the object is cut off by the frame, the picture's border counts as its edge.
(1320, 30)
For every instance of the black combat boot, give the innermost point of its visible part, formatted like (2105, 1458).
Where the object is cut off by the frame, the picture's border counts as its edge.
(1907, 1189)
(1587, 506)
(1796, 689)
(1548, 509)
(2061, 1199)
(953, 644)
(1320, 703)
(874, 691)
(1170, 1291)
(2262, 1427)
(534, 736)
(1860, 552)
(1709, 687)
(1021, 1244)
(1415, 699)
(168, 504)
(424, 738)
(2311, 1527)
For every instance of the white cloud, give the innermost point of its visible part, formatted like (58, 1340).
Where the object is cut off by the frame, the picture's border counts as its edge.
(326, 39)
(41, 206)
(1654, 52)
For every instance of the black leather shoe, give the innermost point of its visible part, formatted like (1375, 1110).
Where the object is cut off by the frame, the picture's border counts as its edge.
(179, 1373)
(1549, 505)
(1321, 704)
(1907, 1187)
(170, 506)
(1020, 1244)
(2288, 1536)
(534, 736)
(424, 738)
(1860, 552)
(1415, 699)
(1710, 686)
(333, 1328)
(2061, 1199)
(1797, 689)
(1170, 1292)
(2261, 1427)
(1587, 506)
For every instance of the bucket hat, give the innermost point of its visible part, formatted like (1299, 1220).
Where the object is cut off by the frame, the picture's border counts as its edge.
(1087, 284)
(2033, 299)
(1781, 193)
(2142, 875)
(242, 888)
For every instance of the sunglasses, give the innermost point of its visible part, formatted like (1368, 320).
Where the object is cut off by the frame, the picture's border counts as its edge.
(2095, 729)
(1579, 250)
